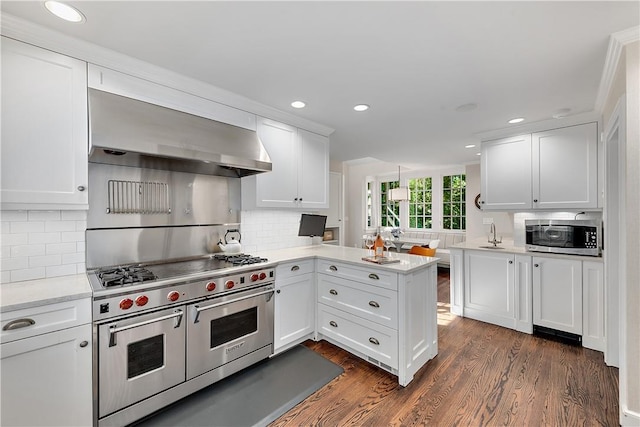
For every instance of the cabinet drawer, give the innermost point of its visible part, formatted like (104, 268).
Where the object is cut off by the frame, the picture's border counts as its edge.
(368, 338)
(292, 269)
(47, 318)
(372, 276)
(371, 302)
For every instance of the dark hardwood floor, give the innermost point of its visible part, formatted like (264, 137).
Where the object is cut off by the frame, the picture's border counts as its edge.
(483, 375)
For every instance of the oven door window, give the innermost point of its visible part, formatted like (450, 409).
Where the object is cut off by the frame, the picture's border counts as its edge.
(145, 356)
(233, 326)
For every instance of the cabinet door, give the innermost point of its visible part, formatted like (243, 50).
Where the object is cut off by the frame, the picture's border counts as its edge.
(46, 380)
(313, 171)
(294, 311)
(334, 213)
(44, 128)
(505, 173)
(593, 318)
(565, 168)
(557, 294)
(489, 290)
(278, 188)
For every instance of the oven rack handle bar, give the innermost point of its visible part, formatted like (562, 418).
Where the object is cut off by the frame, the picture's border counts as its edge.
(198, 309)
(113, 330)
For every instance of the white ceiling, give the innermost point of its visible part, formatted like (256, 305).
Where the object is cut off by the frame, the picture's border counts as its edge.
(413, 62)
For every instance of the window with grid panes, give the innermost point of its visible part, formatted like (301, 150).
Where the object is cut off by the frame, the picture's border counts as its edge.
(453, 202)
(420, 200)
(389, 210)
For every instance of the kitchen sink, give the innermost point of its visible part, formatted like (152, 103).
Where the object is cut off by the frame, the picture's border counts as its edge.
(490, 247)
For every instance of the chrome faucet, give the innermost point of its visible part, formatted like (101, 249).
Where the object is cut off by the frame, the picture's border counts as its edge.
(495, 241)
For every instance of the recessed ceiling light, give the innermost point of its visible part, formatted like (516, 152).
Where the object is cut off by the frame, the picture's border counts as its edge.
(478, 154)
(298, 104)
(518, 120)
(64, 11)
(466, 107)
(361, 107)
(470, 146)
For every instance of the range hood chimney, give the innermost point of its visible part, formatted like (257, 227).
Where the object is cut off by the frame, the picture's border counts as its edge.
(128, 132)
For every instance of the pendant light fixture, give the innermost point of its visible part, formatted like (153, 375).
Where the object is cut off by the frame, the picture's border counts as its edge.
(399, 194)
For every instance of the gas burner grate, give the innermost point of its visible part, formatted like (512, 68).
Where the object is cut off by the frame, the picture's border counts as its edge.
(119, 276)
(240, 259)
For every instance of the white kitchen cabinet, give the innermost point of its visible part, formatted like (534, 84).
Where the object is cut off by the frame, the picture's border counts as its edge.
(557, 294)
(489, 287)
(505, 174)
(554, 169)
(44, 129)
(300, 170)
(593, 297)
(294, 319)
(456, 282)
(46, 377)
(565, 168)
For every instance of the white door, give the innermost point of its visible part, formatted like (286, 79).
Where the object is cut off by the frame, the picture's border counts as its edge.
(313, 172)
(294, 310)
(46, 380)
(44, 127)
(505, 173)
(278, 188)
(565, 168)
(557, 294)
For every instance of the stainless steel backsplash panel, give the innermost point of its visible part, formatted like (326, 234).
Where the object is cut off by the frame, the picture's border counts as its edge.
(194, 199)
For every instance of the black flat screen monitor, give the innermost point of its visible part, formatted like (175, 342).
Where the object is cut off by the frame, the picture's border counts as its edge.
(312, 225)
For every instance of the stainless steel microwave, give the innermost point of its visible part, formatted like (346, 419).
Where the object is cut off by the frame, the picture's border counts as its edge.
(573, 237)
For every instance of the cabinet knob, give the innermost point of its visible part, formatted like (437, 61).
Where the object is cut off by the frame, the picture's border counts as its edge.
(295, 200)
(372, 340)
(535, 200)
(278, 291)
(334, 324)
(81, 188)
(510, 262)
(482, 202)
(83, 344)
(536, 265)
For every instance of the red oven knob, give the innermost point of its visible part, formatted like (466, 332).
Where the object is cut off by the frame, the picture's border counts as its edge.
(229, 284)
(263, 275)
(126, 303)
(142, 300)
(173, 296)
(254, 277)
(211, 286)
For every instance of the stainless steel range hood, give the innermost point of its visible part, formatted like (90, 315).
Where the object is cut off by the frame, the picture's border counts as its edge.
(128, 132)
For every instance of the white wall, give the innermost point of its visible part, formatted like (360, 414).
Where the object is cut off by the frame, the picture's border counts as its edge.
(41, 244)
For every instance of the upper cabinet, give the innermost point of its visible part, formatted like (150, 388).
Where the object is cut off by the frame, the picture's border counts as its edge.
(300, 174)
(555, 169)
(44, 129)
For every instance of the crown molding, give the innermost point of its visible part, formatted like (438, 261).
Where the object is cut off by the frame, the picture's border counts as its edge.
(37, 35)
(617, 42)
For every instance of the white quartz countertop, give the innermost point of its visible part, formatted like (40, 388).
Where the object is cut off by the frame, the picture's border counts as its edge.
(33, 293)
(509, 247)
(408, 263)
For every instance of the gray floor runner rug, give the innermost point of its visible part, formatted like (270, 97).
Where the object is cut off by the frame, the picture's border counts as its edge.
(255, 396)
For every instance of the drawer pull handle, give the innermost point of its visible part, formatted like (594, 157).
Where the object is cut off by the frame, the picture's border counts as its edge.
(83, 344)
(333, 292)
(372, 340)
(374, 304)
(374, 276)
(295, 268)
(18, 323)
(333, 268)
(334, 324)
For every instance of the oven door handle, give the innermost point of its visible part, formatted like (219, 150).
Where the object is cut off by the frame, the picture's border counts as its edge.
(113, 330)
(198, 309)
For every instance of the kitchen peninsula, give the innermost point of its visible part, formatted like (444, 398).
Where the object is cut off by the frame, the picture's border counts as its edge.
(385, 314)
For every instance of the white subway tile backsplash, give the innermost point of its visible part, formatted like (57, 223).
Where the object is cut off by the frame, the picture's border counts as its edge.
(27, 227)
(43, 215)
(39, 244)
(265, 229)
(45, 260)
(12, 216)
(28, 274)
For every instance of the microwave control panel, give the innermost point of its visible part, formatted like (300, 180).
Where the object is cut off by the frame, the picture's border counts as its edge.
(591, 239)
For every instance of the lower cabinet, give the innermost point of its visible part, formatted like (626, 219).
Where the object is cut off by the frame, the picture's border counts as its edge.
(593, 296)
(294, 304)
(557, 294)
(46, 378)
